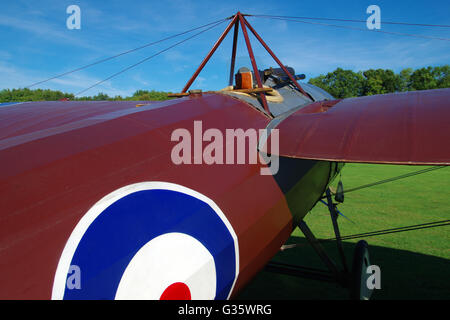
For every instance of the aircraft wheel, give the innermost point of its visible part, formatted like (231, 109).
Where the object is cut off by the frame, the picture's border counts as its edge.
(358, 286)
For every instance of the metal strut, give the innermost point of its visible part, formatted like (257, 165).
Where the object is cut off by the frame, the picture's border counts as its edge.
(334, 273)
(331, 265)
(236, 21)
(253, 61)
(337, 233)
(233, 52)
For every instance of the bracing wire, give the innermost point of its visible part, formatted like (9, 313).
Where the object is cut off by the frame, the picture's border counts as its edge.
(403, 176)
(396, 230)
(353, 20)
(124, 53)
(357, 28)
(384, 231)
(216, 23)
(422, 226)
(148, 58)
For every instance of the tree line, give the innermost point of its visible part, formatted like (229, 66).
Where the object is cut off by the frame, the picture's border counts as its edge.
(25, 94)
(340, 83)
(346, 83)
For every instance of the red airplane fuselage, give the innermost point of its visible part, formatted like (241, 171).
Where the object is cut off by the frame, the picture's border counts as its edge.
(58, 159)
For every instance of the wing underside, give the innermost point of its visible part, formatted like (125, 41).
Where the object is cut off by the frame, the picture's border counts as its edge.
(401, 128)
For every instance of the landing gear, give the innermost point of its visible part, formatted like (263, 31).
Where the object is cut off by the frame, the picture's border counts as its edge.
(355, 280)
(359, 289)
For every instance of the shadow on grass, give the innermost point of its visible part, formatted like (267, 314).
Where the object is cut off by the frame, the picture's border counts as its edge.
(404, 275)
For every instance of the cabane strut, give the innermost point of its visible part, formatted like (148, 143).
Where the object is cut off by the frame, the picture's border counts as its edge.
(239, 20)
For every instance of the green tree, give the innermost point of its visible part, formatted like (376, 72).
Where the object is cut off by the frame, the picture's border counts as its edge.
(423, 79)
(442, 76)
(380, 81)
(346, 83)
(405, 79)
(148, 95)
(340, 83)
(101, 97)
(25, 94)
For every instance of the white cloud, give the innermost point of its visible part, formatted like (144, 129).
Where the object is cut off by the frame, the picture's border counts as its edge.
(14, 77)
(46, 30)
(314, 56)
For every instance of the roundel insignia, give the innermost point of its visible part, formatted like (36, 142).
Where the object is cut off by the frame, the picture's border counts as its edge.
(150, 240)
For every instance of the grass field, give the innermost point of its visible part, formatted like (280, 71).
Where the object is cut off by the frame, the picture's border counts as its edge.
(414, 264)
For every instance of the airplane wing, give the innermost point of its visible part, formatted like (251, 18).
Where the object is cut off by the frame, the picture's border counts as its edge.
(401, 128)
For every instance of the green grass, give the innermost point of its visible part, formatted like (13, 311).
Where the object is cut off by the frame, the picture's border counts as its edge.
(414, 264)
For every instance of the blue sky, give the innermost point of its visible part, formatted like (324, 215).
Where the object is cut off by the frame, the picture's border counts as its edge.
(36, 44)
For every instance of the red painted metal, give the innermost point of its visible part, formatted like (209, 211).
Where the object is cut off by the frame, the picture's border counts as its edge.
(239, 18)
(253, 61)
(233, 52)
(31, 119)
(236, 19)
(211, 52)
(243, 20)
(176, 291)
(400, 128)
(60, 158)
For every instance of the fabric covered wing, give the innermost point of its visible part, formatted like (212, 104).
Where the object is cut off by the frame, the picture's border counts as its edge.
(399, 128)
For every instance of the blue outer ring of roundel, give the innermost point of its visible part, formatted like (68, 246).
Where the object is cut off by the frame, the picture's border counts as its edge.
(117, 234)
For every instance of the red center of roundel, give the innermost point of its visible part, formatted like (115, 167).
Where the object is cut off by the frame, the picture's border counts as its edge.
(176, 291)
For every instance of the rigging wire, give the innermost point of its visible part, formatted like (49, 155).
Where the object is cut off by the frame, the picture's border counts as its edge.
(215, 23)
(124, 53)
(403, 176)
(422, 226)
(360, 29)
(150, 57)
(384, 231)
(396, 230)
(353, 20)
